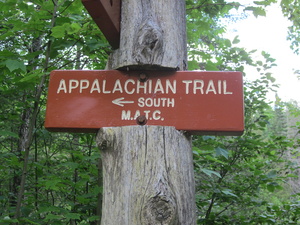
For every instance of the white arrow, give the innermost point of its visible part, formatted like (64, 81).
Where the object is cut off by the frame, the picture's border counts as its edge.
(120, 102)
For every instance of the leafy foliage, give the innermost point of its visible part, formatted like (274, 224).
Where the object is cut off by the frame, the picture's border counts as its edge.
(242, 180)
(51, 178)
(290, 9)
(61, 170)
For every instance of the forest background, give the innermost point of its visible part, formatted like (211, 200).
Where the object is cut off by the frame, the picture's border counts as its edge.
(56, 178)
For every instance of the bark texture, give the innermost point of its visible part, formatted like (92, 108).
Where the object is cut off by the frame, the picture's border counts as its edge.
(148, 176)
(153, 35)
(148, 170)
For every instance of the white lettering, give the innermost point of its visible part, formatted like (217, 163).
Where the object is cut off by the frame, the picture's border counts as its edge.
(95, 86)
(170, 102)
(132, 86)
(158, 87)
(117, 87)
(71, 86)
(62, 86)
(200, 87)
(147, 113)
(84, 84)
(169, 86)
(187, 84)
(156, 115)
(219, 87)
(126, 86)
(156, 102)
(125, 115)
(210, 87)
(141, 102)
(163, 104)
(149, 102)
(137, 114)
(225, 88)
(149, 83)
(103, 88)
(139, 86)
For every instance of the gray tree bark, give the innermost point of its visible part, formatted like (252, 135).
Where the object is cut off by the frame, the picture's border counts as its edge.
(148, 175)
(153, 36)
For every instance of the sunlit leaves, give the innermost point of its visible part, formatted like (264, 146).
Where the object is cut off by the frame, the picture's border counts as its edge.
(61, 31)
(236, 177)
(290, 9)
(257, 11)
(233, 173)
(236, 40)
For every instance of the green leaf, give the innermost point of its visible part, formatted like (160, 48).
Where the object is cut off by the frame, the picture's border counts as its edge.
(213, 159)
(196, 150)
(71, 165)
(257, 11)
(228, 192)
(193, 65)
(13, 65)
(93, 218)
(221, 152)
(45, 209)
(271, 188)
(52, 184)
(210, 66)
(29, 221)
(58, 31)
(53, 217)
(73, 216)
(8, 220)
(6, 54)
(210, 172)
(264, 3)
(73, 28)
(32, 77)
(285, 2)
(227, 43)
(208, 137)
(236, 40)
(272, 174)
(292, 175)
(6, 133)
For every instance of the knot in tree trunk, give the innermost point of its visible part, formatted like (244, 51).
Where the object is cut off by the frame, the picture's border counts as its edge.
(160, 210)
(149, 43)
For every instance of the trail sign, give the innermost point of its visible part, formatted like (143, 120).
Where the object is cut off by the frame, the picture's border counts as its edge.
(106, 14)
(198, 102)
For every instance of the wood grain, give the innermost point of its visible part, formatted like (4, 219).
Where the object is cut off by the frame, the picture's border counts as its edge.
(148, 176)
(153, 36)
(148, 170)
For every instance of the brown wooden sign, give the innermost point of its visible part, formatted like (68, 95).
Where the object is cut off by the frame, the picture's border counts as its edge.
(106, 14)
(198, 102)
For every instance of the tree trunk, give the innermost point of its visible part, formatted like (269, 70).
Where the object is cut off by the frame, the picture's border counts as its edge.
(153, 36)
(148, 175)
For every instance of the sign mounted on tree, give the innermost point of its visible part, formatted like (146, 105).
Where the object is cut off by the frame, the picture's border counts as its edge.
(106, 14)
(198, 102)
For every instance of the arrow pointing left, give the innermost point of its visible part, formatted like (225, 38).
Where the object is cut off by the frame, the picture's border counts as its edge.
(120, 102)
